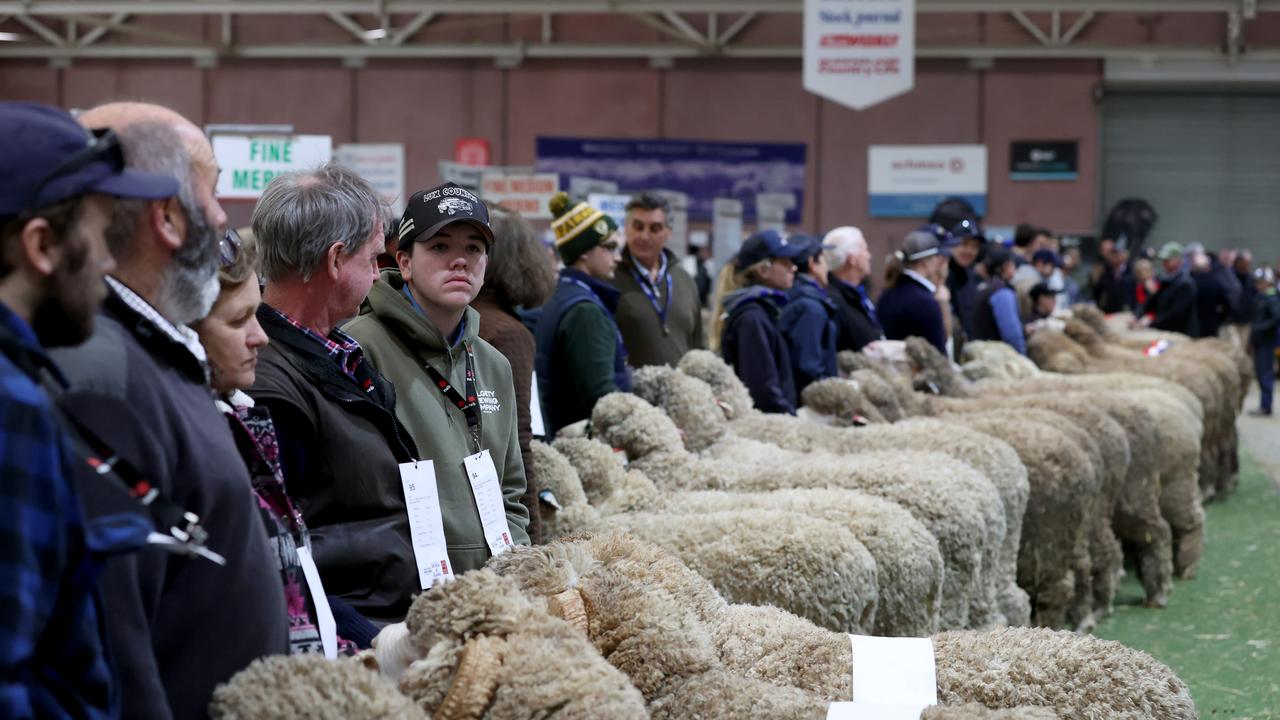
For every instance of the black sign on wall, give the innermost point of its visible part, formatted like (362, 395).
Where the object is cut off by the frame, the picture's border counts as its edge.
(1043, 160)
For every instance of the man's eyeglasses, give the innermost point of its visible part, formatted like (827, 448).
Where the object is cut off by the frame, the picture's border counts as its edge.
(105, 145)
(229, 248)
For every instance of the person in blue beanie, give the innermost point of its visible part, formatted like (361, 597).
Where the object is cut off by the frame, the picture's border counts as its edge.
(744, 328)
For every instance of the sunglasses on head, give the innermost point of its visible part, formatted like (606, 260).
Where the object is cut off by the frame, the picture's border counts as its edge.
(229, 248)
(103, 145)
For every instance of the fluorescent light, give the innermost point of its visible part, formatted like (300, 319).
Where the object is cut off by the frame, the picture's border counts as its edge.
(376, 34)
(10, 37)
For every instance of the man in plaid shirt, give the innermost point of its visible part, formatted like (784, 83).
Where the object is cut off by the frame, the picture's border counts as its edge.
(57, 182)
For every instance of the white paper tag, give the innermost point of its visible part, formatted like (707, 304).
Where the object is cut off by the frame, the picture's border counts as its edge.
(537, 427)
(324, 615)
(426, 527)
(894, 672)
(872, 711)
(487, 490)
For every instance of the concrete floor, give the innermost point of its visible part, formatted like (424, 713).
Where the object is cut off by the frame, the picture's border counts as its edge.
(1261, 437)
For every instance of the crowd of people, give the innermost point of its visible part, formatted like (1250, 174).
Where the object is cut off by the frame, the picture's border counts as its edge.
(219, 446)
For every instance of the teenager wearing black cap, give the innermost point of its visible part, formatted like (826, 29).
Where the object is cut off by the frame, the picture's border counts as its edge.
(580, 354)
(744, 327)
(57, 183)
(455, 391)
(909, 307)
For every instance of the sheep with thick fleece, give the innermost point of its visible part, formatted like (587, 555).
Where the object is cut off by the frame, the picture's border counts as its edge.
(974, 711)
(957, 504)
(995, 360)
(281, 687)
(804, 563)
(691, 399)
(1075, 675)
(908, 563)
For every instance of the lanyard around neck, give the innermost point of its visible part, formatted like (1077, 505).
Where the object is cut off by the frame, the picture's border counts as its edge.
(663, 309)
(469, 405)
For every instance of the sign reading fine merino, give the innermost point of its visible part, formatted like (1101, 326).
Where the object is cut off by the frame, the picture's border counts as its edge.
(249, 162)
(859, 52)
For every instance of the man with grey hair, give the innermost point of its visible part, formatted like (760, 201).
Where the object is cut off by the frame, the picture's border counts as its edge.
(341, 445)
(850, 263)
(178, 624)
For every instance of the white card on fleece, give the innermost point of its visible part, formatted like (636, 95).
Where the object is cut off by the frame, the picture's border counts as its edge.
(873, 711)
(324, 614)
(426, 526)
(537, 426)
(894, 671)
(487, 490)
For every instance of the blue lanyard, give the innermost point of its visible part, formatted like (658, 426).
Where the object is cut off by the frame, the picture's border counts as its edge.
(662, 309)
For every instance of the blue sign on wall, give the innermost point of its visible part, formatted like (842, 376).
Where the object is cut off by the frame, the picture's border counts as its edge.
(703, 170)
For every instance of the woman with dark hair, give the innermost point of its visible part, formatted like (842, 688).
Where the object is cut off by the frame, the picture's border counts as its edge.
(521, 273)
(909, 305)
(231, 337)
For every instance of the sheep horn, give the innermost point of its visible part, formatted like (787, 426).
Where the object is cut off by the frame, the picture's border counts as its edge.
(570, 607)
(475, 681)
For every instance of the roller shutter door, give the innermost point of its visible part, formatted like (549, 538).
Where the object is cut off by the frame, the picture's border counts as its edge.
(1208, 163)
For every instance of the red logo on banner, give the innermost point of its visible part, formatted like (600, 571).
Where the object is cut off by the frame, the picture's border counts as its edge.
(471, 151)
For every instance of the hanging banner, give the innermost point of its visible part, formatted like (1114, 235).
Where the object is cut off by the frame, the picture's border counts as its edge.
(909, 180)
(702, 170)
(580, 188)
(381, 165)
(528, 195)
(249, 162)
(859, 52)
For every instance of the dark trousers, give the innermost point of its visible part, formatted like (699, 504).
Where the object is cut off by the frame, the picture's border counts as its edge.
(1264, 365)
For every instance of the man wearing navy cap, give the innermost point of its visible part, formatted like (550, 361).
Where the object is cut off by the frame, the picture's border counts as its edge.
(57, 187)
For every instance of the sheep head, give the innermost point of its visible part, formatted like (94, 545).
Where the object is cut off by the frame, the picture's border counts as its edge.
(626, 421)
(689, 402)
(841, 399)
(734, 398)
(309, 686)
(933, 370)
(608, 485)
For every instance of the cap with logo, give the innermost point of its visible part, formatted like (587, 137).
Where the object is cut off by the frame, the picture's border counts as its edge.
(810, 247)
(764, 245)
(578, 228)
(47, 157)
(429, 211)
(1170, 250)
(923, 243)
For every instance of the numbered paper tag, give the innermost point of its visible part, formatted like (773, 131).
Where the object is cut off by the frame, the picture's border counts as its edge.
(893, 679)
(426, 527)
(487, 490)
(324, 615)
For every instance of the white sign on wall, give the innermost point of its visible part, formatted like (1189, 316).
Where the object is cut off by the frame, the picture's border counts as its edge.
(615, 206)
(909, 180)
(528, 195)
(726, 228)
(249, 162)
(381, 165)
(581, 187)
(677, 220)
(859, 52)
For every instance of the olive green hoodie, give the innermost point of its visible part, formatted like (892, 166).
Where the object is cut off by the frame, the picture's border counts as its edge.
(398, 340)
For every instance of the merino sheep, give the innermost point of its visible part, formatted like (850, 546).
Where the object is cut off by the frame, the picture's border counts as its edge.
(1074, 675)
(957, 504)
(974, 711)
(293, 686)
(695, 411)
(815, 568)
(908, 564)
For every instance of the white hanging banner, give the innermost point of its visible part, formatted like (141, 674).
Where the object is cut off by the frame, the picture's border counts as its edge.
(859, 52)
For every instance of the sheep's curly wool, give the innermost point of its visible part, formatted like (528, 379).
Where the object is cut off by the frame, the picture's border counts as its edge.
(996, 361)
(1075, 675)
(813, 567)
(959, 506)
(991, 457)
(546, 667)
(974, 711)
(283, 687)
(908, 564)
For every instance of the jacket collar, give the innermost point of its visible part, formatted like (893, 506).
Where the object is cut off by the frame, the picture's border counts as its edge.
(920, 280)
(19, 343)
(310, 357)
(767, 296)
(157, 335)
(805, 286)
(388, 302)
(607, 293)
(667, 261)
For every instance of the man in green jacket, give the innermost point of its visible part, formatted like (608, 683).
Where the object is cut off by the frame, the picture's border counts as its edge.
(456, 395)
(659, 309)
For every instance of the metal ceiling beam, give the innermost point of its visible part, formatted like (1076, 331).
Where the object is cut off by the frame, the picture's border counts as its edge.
(516, 51)
(535, 7)
(97, 33)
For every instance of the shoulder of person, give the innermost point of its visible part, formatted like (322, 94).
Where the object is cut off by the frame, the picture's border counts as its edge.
(101, 363)
(488, 354)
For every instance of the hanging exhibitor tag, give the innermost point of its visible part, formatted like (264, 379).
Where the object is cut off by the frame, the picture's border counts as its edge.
(324, 614)
(859, 52)
(426, 526)
(893, 679)
(486, 487)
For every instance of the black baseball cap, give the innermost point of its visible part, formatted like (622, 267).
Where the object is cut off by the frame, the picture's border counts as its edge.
(47, 157)
(430, 210)
(764, 245)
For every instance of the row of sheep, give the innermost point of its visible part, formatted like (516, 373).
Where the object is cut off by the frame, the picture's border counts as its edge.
(608, 626)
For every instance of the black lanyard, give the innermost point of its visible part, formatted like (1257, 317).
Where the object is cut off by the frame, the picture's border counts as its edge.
(469, 405)
(650, 291)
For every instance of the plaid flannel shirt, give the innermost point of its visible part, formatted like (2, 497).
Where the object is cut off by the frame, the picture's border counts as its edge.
(52, 658)
(340, 346)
